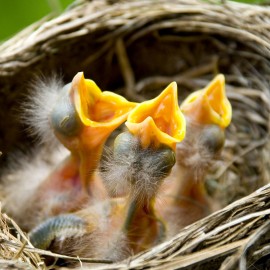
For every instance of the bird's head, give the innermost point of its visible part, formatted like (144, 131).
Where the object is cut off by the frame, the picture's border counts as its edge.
(84, 117)
(86, 113)
(208, 112)
(145, 154)
(209, 105)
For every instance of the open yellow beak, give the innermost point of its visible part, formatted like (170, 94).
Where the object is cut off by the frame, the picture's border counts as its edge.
(158, 121)
(100, 112)
(209, 105)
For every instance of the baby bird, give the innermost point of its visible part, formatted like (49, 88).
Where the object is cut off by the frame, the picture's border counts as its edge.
(208, 112)
(142, 157)
(82, 117)
(83, 120)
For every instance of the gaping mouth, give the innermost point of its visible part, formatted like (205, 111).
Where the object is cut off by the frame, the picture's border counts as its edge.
(97, 108)
(209, 105)
(158, 121)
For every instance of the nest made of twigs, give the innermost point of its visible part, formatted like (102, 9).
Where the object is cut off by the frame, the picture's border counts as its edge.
(138, 47)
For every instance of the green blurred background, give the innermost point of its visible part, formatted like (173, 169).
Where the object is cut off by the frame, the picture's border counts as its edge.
(17, 14)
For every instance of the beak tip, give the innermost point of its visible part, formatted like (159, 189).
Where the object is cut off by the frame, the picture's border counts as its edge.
(220, 77)
(81, 74)
(174, 85)
(171, 89)
(78, 79)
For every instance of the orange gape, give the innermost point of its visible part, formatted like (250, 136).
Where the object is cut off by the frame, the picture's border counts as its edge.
(209, 105)
(208, 112)
(158, 121)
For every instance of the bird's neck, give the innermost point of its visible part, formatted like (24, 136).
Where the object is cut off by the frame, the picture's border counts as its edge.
(65, 176)
(188, 186)
(88, 164)
(137, 210)
(141, 225)
(61, 190)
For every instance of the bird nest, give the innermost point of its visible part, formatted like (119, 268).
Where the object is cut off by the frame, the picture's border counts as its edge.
(136, 48)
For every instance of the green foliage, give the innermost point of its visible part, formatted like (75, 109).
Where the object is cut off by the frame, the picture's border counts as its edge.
(258, 2)
(17, 14)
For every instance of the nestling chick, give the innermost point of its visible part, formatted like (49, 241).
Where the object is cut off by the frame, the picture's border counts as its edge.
(82, 117)
(207, 112)
(141, 159)
(83, 120)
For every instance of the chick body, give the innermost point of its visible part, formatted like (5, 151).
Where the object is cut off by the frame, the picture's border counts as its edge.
(81, 117)
(118, 227)
(183, 195)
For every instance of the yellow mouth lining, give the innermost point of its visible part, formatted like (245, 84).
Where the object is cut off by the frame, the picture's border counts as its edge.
(96, 108)
(209, 105)
(158, 120)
